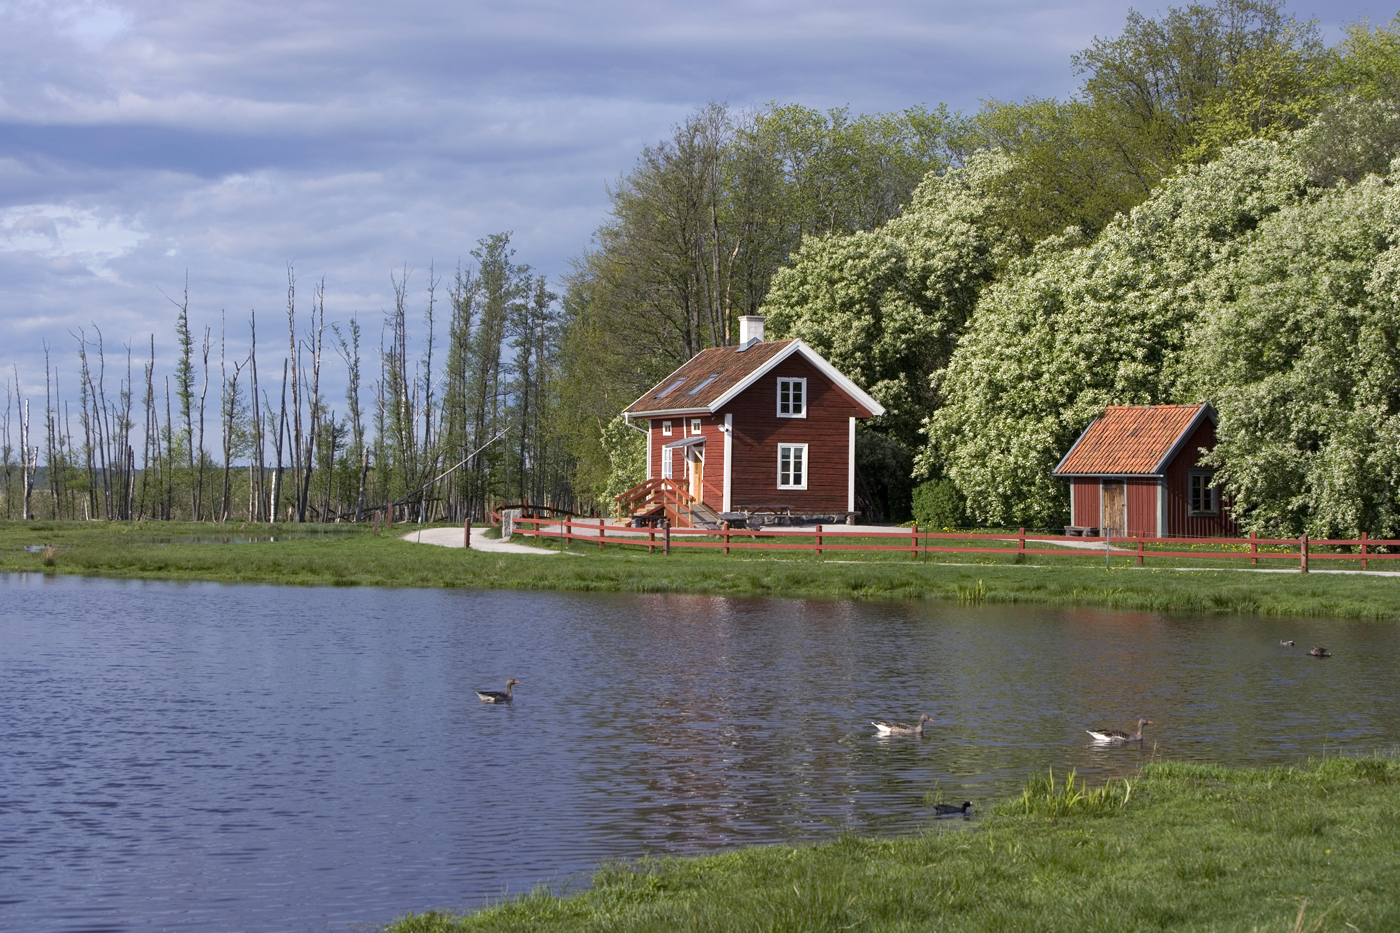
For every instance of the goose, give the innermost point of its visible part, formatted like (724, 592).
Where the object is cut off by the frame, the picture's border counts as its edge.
(1320, 652)
(1118, 736)
(1287, 644)
(496, 696)
(901, 728)
(947, 809)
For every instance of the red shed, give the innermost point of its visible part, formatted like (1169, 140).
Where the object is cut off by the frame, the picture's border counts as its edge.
(1137, 471)
(761, 426)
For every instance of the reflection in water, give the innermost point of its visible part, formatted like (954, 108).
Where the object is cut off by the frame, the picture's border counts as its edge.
(200, 757)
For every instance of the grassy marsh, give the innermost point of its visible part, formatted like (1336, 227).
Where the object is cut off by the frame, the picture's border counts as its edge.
(1181, 847)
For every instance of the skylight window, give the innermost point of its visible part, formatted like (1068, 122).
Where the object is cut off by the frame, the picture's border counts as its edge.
(670, 388)
(709, 379)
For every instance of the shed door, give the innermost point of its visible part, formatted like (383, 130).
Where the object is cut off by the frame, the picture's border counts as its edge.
(1115, 508)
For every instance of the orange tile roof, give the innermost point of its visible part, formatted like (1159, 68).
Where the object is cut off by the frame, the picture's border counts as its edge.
(691, 387)
(1131, 440)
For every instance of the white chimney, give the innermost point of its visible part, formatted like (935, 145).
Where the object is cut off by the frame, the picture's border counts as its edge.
(750, 330)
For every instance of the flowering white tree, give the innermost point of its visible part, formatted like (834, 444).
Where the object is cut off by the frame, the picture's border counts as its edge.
(887, 306)
(1078, 326)
(1300, 351)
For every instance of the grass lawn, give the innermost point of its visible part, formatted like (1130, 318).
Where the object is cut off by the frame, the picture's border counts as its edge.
(345, 555)
(1179, 847)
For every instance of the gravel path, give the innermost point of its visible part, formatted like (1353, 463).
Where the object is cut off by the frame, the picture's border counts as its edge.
(452, 537)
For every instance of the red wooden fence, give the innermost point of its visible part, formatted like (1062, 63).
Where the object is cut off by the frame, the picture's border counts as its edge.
(914, 542)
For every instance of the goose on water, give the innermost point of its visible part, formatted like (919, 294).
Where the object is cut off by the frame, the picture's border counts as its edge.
(1118, 736)
(1320, 652)
(947, 809)
(497, 696)
(901, 728)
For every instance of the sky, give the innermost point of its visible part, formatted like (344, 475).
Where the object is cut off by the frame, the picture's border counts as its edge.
(149, 143)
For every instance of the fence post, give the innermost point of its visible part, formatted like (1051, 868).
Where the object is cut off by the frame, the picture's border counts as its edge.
(1253, 550)
(914, 541)
(1021, 543)
(568, 533)
(666, 531)
(467, 532)
(1139, 552)
(819, 541)
(651, 538)
(1363, 551)
(376, 523)
(602, 531)
(1303, 552)
(724, 526)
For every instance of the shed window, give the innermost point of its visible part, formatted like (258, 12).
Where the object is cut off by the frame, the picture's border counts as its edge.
(792, 466)
(666, 428)
(1204, 499)
(667, 470)
(792, 398)
(695, 426)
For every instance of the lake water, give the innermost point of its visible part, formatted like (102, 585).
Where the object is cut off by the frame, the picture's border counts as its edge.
(198, 757)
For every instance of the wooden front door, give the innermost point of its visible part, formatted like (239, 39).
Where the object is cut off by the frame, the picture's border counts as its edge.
(695, 459)
(1115, 509)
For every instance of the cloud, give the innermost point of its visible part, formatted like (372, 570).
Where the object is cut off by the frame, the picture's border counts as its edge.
(144, 140)
(79, 237)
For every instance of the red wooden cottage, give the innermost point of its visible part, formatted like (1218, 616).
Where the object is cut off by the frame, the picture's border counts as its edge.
(1137, 471)
(764, 426)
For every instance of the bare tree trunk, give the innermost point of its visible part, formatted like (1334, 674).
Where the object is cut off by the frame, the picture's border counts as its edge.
(169, 456)
(27, 475)
(151, 440)
(256, 481)
(318, 321)
(203, 394)
(274, 504)
(294, 357)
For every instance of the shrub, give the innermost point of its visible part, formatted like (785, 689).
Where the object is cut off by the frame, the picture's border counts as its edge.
(939, 504)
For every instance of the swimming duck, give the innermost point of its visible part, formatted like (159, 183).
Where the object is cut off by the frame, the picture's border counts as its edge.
(496, 696)
(947, 809)
(1320, 652)
(1118, 736)
(1287, 644)
(901, 728)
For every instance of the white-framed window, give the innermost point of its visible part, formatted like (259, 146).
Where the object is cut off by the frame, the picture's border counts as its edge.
(666, 462)
(792, 398)
(1202, 493)
(792, 466)
(694, 425)
(666, 429)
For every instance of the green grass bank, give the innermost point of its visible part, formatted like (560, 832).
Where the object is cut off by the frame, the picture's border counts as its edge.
(343, 555)
(1179, 847)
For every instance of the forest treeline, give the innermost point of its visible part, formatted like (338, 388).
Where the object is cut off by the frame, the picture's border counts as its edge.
(1208, 218)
